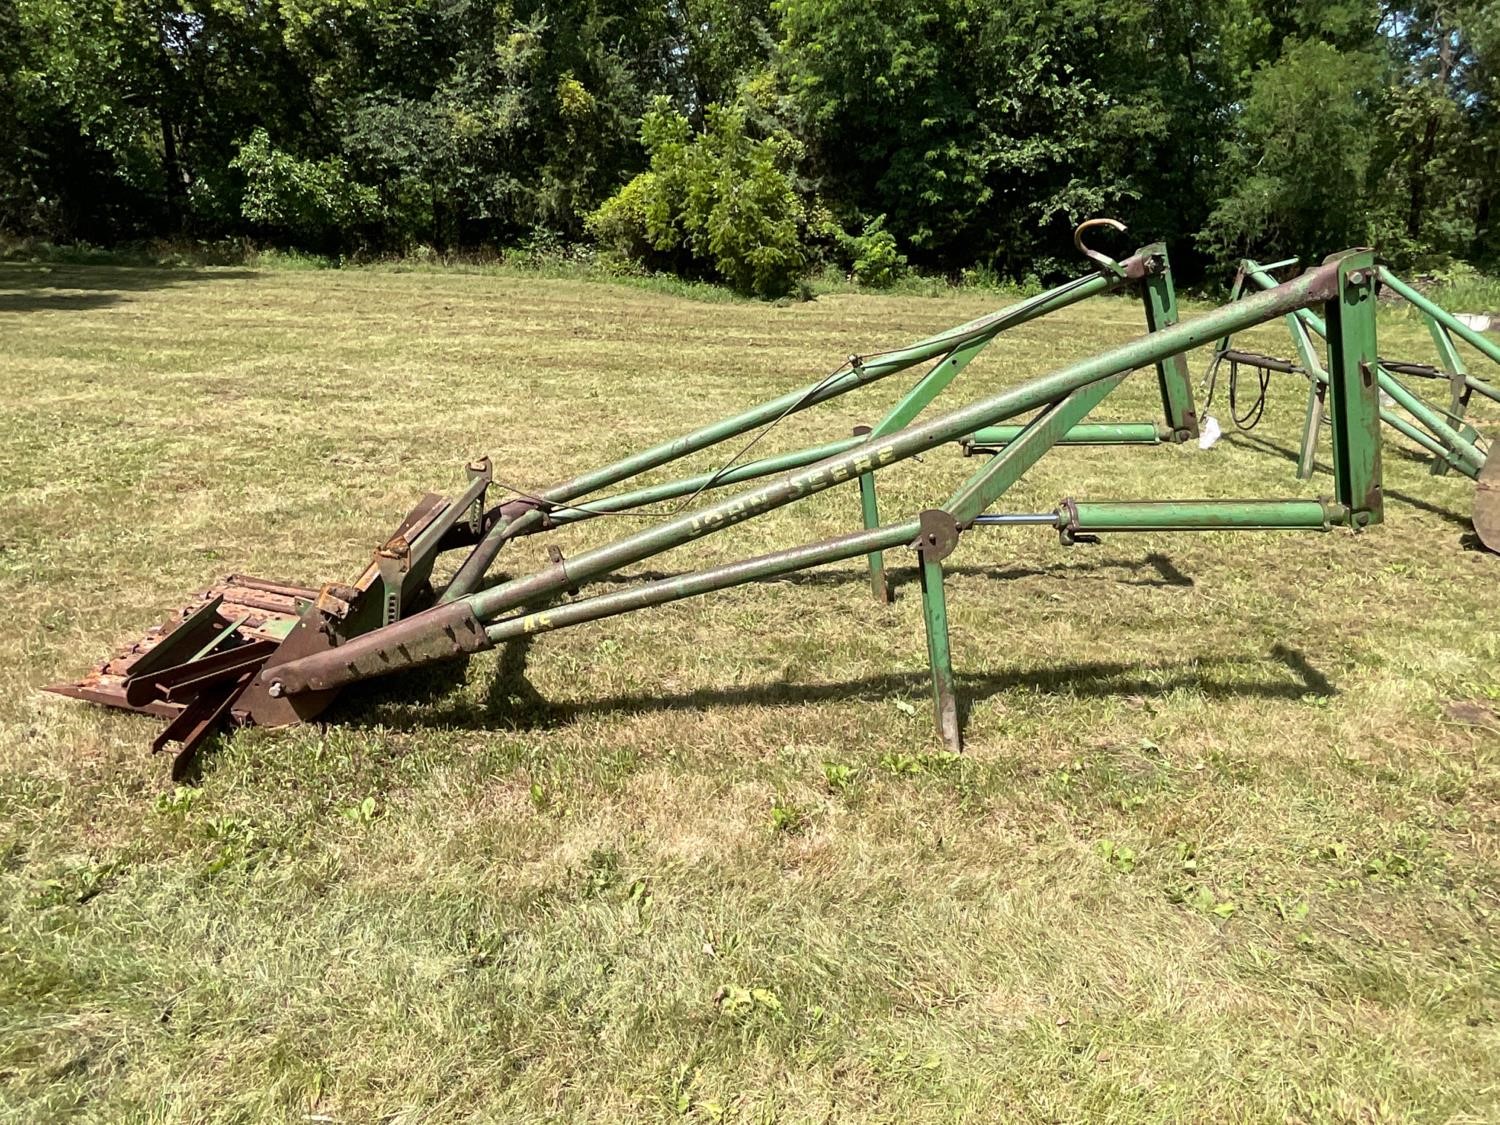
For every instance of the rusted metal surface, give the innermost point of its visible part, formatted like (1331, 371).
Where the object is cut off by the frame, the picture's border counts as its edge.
(444, 631)
(937, 535)
(198, 720)
(205, 665)
(179, 678)
(1487, 504)
(314, 634)
(269, 611)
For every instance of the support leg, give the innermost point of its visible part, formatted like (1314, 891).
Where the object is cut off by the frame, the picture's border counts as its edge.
(935, 616)
(871, 510)
(1353, 400)
(1172, 372)
(1307, 459)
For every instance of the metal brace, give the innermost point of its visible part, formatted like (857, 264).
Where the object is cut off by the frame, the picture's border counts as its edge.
(392, 561)
(1068, 534)
(477, 470)
(938, 535)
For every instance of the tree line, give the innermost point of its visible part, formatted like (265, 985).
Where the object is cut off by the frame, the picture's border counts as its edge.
(752, 140)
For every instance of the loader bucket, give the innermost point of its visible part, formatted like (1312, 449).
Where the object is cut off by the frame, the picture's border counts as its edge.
(202, 667)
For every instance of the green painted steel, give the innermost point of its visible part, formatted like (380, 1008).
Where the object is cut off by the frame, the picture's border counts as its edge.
(861, 373)
(1201, 515)
(938, 379)
(870, 512)
(1040, 434)
(441, 632)
(1085, 433)
(939, 654)
(912, 403)
(1160, 299)
(1458, 389)
(1440, 452)
(934, 383)
(1461, 446)
(1475, 339)
(672, 490)
(1315, 285)
(1354, 398)
(702, 582)
(1482, 387)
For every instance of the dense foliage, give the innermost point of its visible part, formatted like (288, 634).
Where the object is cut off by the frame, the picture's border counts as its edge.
(749, 141)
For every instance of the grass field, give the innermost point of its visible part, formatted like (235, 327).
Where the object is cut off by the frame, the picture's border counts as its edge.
(1222, 846)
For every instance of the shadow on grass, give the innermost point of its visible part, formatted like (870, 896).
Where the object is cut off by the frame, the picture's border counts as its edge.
(512, 703)
(27, 288)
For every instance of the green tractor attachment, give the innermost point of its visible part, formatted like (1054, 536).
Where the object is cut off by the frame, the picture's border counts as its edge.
(1454, 443)
(274, 654)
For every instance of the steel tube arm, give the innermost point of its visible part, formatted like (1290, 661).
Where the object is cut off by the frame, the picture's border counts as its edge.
(671, 490)
(1441, 315)
(473, 569)
(704, 581)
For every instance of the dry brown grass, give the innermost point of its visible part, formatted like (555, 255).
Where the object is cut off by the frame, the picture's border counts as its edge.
(1215, 852)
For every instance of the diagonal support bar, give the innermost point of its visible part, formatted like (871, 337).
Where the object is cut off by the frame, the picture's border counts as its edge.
(1041, 434)
(859, 373)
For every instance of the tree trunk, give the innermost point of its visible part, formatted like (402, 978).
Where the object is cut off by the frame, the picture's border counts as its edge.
(171, 169)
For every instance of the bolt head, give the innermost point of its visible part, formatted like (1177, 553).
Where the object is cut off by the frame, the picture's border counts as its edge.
(275, 691)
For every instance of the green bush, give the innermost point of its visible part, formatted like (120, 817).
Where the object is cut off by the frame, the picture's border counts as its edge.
(311, 201)
(718, 203)
(877, 262)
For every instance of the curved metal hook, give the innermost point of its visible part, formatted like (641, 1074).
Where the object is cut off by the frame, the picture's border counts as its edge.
(1108, 263)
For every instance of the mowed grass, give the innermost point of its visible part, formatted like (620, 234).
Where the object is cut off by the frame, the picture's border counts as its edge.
(1221, 846)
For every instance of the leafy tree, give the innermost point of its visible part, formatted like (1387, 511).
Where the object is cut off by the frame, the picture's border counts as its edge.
(875, 257)
(313, 201)
(1296, 171)
(718, 202)
(980, 132)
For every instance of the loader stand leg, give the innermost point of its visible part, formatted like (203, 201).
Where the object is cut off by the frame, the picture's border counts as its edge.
(1309, 455)
(1458, 405)
(935, 616)
(1171, 372)
(871, 510)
